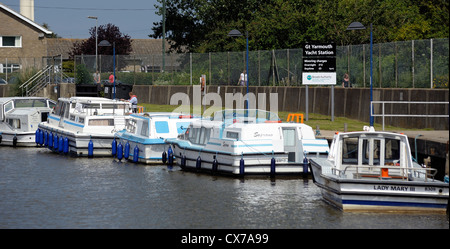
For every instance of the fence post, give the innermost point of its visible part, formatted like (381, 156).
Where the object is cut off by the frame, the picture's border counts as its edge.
(431, 63)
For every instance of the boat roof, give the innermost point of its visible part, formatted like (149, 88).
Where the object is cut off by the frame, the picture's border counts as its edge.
(6, 99)
(91, 100)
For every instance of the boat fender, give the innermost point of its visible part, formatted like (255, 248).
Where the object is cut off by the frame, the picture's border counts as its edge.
(61, 144)
(164, 157)
(50, 140)
(272, 166)
(305, 165)
(66, 145)
(242, 166)
(36, 136)
(215, 164)
(198, 163)
(14, 141)
(45, 138)
(170, 156)
(126, 152)
(183, 161)
(136, 154)
(119, 151)
(55, 142)
(114, 147)
(41, 137)
(90, 148)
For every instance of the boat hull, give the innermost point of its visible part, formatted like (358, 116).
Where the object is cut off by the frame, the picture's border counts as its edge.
(228, 163)
(24, 139)
(79, 142)
(150, 150)
(381, 196)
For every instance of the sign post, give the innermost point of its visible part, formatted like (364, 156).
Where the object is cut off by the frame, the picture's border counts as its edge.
(319, 68)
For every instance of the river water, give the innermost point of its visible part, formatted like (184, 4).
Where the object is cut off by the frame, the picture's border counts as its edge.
(40, 189)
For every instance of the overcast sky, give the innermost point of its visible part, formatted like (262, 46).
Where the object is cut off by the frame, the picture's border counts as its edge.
(68, 19)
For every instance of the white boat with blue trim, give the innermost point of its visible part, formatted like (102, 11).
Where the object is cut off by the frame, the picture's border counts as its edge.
(374, 171)
(19, 119)
(142, 140)
(84, 126)
(246, 142)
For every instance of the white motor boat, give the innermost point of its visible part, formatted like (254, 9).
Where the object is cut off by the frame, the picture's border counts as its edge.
(246, 142)
(84, 126)
(374, 171)
(143, 138)
(19, 119)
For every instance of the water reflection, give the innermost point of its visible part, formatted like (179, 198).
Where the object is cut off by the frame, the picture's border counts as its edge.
(39, 189)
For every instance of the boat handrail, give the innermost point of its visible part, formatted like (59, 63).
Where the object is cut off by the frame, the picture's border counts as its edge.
(405, 172)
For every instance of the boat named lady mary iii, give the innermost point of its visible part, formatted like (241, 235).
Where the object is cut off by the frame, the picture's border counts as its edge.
(246, 142)
(374, 171)
(19, 119)
(84, 126)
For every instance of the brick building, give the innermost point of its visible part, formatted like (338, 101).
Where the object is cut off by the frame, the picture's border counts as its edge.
(20, 38)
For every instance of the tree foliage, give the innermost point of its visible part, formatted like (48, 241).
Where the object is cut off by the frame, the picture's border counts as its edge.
(203, 25)
(108, 32)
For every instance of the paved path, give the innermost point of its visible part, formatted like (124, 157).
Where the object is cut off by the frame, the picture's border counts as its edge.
(435, 136)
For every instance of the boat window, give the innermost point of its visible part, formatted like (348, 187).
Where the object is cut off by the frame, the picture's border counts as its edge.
(51, 104)
(289, 137)
(24, 103)
(58, 109)
(66, 111)
(207, 134)
(44, 116)
(101, 122)
(144, 129)
(8, 106)
(14, 122)
(392, 151)
(233, 135)
(72, 117)
(371, 150)
(193, 135)
(131, 126)
(80, 120)
(350, 150)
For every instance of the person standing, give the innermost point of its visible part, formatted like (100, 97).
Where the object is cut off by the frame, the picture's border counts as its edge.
(97, 82)
(346, 81)
(133, 100)
(111, 78)
(243, 79)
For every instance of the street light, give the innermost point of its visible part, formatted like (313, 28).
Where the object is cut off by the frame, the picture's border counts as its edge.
(106, 43)
(359, 26)
(236, 33)
(96, 42)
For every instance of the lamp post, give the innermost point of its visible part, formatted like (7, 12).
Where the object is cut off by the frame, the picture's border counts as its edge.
(359, 26)
(96, 40)
(106, 43)
(236, 33)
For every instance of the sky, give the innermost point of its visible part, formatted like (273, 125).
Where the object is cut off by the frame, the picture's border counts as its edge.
(68, 19)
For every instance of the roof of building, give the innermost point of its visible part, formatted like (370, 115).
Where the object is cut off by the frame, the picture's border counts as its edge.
(25, 19)
(63, 46)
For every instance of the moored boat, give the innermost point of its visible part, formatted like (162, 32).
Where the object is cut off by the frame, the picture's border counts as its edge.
(84, 126)
(374, 171)
(19, 119)
(247, 142)
(142, 140)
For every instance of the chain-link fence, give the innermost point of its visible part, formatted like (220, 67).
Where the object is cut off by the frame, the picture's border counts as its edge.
(406, 64)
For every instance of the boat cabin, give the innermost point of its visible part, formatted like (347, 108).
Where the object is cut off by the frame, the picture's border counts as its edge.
(25, 113)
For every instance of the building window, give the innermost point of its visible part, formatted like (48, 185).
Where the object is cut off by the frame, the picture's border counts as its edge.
(11, 41)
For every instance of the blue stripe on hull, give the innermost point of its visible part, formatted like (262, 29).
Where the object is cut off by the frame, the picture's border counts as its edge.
(393, 204)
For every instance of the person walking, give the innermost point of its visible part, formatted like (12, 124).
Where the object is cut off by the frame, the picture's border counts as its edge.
(243, 79)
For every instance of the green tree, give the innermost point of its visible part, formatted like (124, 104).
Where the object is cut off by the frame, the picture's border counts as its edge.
(108, 32)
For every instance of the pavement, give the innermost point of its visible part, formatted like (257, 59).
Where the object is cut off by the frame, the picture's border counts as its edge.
(440, 136)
